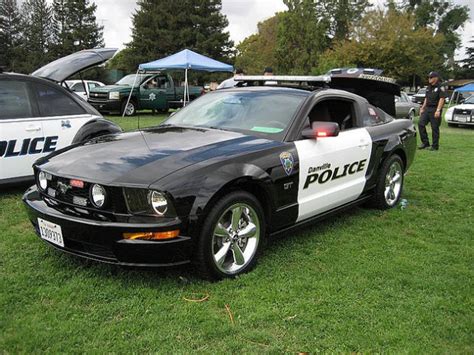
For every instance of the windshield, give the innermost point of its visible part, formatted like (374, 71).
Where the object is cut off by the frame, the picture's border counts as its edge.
(421, 91)
(469, 100)
(130, 79)
(261, 113)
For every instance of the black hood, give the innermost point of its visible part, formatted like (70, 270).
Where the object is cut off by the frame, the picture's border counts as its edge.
(65, 67)
(143, 157)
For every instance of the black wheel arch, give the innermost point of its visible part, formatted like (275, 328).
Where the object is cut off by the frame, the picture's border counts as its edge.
(94, 128)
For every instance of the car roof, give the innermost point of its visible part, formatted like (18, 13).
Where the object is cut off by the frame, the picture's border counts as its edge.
(268, 88)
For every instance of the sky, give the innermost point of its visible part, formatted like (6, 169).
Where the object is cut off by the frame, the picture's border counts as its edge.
(243, 17)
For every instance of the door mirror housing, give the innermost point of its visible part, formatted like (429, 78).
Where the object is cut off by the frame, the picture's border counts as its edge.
(321, 129)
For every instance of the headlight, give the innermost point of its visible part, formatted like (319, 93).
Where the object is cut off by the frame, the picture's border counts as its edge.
(43, 180)
(158, 202)
(114, 95)
(98, 195)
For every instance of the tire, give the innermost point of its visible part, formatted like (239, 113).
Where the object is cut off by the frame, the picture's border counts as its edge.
(131, 109)
(411, 115)
(222, 252)
(389, 184)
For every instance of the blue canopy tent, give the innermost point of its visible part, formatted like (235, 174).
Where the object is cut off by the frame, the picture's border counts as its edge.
(463, 89)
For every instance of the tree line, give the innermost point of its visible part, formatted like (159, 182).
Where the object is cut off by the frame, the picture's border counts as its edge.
(406, 39)
(35, 33)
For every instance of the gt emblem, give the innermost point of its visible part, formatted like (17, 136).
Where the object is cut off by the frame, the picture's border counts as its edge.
(287, 161)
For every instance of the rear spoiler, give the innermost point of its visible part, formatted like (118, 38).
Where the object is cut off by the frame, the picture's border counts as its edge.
(379, 90)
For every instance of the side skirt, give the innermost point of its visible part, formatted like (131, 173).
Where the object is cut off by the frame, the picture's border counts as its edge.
(321, 216)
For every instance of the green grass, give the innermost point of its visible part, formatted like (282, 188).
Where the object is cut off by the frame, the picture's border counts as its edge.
(365, 281)
(142, 120)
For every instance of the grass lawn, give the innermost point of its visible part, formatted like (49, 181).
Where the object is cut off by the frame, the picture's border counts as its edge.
(365, 281)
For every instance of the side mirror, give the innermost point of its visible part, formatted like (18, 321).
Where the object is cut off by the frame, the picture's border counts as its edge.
(321, 129)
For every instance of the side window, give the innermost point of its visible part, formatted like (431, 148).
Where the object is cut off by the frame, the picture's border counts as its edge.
(375, 117)
(91, 85)
(52, 102)
(14, 100)
(163, 82)
(78, 87)
(339, 111)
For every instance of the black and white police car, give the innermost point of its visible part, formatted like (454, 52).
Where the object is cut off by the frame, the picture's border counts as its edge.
(461, 115)
(38, 116)
(221, 175)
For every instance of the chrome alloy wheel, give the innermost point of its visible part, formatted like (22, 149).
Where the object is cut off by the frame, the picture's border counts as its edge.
(235, 238)
(393, 183)
(130, 109)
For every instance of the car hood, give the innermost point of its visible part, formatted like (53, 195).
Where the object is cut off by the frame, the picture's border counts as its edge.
(110, 88)
(142, 157)
(65, 67)
(463, 107)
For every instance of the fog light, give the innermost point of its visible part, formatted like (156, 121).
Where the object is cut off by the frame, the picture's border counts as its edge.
(98, 195)
(42, 180)
(152, 235)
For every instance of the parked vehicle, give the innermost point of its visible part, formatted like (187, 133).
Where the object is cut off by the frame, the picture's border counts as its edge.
(220, 175)
(419, 97)
(38, 116)
(151, 91)
(461, 115)
(405, 108)
(82, 87)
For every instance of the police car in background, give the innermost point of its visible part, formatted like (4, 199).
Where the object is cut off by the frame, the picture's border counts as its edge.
(225, 172)
(38, 116)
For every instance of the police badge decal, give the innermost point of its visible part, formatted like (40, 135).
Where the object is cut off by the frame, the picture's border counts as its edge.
(287, 161)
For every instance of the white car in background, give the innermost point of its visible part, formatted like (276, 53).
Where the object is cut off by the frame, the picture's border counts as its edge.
(461, 114)
(82, 87)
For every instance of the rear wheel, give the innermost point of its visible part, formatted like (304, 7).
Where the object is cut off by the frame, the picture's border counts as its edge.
(129, 109)
(231, 237)
(389, 184)
(411, 115)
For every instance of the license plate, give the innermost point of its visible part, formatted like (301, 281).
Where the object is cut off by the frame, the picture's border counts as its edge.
(51, 232)
(460, 118)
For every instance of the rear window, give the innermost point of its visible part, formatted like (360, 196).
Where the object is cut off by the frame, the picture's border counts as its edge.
(14, 100)
(52, 102)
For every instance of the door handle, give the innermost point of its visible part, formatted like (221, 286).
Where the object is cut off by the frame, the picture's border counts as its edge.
(33, 129)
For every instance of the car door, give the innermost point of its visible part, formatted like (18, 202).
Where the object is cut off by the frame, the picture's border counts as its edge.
(153, 94)
(62, 115)
(332, 169)
(22, 138)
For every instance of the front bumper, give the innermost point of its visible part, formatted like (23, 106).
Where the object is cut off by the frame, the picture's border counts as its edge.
(102, 241)
(106, 105)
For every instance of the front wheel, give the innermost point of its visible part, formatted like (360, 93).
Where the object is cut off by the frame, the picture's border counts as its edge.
(389, 184)
(411, 115)
(231, 237)
(129, 109)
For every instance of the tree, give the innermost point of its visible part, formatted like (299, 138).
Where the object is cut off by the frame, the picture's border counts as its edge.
(38, 33)
(75, 27)
(390, 41)
(302, 37)
(258, 51)
(10, 35)
(163, 27)
(443, 17)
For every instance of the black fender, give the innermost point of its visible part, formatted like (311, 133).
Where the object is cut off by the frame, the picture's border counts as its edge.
(96, 127)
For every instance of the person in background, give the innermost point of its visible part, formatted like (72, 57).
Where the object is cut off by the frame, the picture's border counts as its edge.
(231, 82)
(268, 71)
(430, 111)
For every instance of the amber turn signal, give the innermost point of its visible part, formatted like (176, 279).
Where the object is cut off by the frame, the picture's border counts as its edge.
(152, 235)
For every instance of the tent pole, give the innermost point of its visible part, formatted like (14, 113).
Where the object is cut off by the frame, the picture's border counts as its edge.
(185, 86)
(130, 95)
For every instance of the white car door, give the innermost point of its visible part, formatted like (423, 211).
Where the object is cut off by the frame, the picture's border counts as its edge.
(22, 138)
(332, 169)
(62, 116)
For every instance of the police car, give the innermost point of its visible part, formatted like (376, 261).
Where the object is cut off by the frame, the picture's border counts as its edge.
(462, 114)
(38, 116)
(236, 166)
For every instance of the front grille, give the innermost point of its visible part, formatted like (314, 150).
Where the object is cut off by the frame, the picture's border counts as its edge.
(462, 115)
(98, 95)
(60, 189)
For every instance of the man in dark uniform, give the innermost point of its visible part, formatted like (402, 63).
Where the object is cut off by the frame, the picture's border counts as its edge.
(430, 111)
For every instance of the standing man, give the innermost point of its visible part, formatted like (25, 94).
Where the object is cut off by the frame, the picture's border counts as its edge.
(231, 82)
(430, 111)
